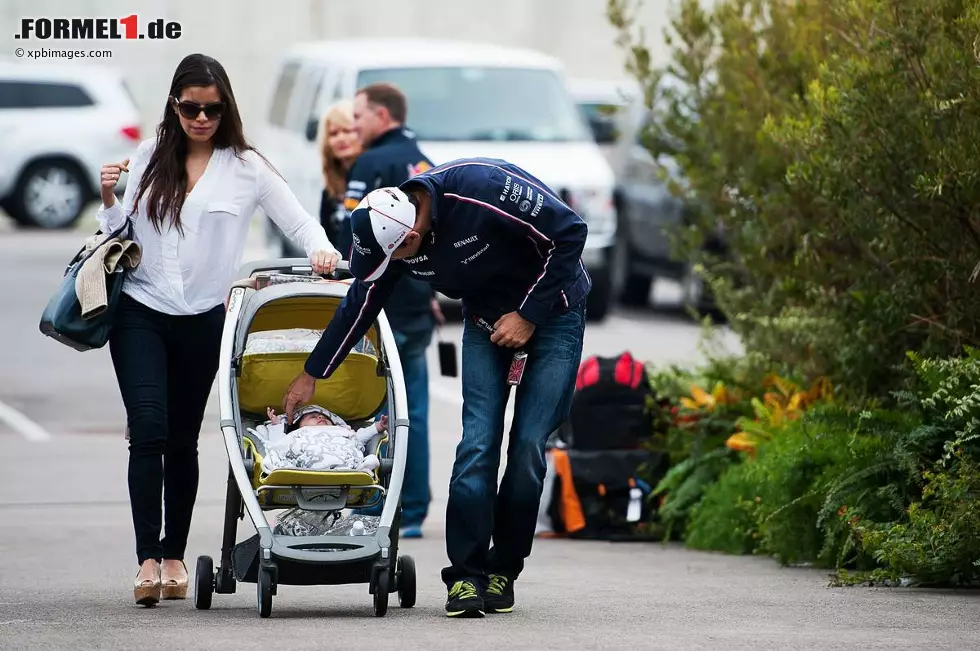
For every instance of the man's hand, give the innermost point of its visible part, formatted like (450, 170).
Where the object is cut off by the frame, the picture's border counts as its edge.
(512, 331)
(299, 393)
(437, 311)
(324, 262)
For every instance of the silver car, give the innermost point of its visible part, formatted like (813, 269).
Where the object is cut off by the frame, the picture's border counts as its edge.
(647, 209)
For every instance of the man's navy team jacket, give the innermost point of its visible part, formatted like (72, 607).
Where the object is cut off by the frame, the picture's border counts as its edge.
(501, 241)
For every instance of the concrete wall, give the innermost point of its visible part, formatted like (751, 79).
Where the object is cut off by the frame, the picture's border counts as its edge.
(247, 36)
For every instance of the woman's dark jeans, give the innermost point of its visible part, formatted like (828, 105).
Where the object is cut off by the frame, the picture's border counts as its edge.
(165, 366)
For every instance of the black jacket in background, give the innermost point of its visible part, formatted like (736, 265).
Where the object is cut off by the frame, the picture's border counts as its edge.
(329, 218)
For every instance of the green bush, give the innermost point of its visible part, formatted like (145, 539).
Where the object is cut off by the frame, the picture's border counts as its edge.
(835, 142)
(890, 494)
(938, 544)
(937, 540)
(694, 438)
(835, 145)
(780, 501)
(724, 517)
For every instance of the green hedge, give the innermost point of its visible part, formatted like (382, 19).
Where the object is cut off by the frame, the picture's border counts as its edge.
(837, 144)
(875, 494)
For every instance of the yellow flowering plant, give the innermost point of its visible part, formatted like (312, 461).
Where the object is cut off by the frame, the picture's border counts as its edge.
(782, 402)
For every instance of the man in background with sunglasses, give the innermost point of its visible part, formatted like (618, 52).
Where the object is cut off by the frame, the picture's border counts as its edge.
(487, 232)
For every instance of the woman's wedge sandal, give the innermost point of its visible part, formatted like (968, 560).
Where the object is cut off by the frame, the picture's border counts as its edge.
(174, 588)
(146, 591)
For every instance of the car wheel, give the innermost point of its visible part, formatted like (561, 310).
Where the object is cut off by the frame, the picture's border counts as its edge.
(636, 290)
(49, 195)
(619, 263)
(698, 295)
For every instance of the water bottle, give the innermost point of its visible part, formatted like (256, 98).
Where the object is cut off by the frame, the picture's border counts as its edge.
(634, 508)
(357, 529)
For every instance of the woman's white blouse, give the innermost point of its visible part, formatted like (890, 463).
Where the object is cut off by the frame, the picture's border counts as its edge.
(192, 273)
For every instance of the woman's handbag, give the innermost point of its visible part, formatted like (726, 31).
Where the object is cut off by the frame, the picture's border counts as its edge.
(62, 319)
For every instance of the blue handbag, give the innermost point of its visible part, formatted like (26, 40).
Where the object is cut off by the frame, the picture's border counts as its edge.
(62, 317)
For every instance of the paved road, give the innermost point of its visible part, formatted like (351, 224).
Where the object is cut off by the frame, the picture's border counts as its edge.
(67, 557)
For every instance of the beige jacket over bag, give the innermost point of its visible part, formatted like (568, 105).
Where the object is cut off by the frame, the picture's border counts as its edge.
(114, 256)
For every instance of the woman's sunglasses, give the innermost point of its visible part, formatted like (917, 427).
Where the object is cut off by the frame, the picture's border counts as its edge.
(190, 110)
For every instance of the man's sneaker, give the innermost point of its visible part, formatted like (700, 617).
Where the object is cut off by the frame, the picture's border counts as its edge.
(464, 600)
(500, 595)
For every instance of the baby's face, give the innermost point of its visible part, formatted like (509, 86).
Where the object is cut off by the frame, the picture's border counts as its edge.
(314, 420)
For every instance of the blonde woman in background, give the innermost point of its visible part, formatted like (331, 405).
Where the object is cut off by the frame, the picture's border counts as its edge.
(339, 147)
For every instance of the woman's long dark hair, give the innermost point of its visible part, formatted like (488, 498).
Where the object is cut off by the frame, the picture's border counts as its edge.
(165, 177)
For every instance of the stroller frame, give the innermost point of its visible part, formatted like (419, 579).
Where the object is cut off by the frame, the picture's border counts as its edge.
(270, 560)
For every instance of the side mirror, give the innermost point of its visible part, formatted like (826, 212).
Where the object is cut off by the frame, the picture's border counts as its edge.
(603, 130)
(311, 128)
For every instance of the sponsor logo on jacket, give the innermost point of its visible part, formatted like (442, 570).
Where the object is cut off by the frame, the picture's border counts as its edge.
(418, 168)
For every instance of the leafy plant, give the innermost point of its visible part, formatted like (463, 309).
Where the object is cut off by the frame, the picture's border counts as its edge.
(782, 402)
(940, 541)
(881, 495)
(827, 459)
(699, 423)
(683, 486)
(933, 535)
(953, 397)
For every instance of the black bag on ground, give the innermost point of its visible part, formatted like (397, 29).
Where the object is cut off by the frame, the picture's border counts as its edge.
(602, 471)
(609, 408)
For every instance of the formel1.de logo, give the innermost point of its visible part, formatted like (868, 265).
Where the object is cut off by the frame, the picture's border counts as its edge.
(130, 27)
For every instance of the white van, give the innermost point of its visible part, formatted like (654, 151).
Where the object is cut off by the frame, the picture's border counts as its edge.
(464, 99)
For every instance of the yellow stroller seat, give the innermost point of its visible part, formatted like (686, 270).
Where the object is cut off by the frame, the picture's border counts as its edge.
(353, 392)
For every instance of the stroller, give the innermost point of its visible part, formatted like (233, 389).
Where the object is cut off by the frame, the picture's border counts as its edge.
(252, 379)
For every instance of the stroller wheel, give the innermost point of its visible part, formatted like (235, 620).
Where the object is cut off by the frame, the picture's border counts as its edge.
(264, 592)
(406, 581)
(203, 582)
(381, 590)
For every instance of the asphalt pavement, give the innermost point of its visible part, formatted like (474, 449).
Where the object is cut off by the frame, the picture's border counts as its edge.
(67, 559)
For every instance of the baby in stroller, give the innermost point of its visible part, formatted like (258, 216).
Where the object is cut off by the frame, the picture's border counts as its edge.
(318, 439)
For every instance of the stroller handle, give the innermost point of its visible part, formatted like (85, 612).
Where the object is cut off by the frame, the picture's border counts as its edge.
(286, 266)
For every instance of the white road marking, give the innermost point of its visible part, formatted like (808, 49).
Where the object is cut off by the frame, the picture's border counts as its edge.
(22, 424)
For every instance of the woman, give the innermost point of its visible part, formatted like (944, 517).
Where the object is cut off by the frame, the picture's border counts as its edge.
(339, 147)
(192, 193)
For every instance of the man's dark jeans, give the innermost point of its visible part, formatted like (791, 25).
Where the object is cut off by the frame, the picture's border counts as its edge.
(477, 511)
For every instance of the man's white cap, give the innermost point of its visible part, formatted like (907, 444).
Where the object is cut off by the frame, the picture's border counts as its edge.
(378, 225)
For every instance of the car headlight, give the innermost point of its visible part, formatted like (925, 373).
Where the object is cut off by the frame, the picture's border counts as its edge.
(596, 207)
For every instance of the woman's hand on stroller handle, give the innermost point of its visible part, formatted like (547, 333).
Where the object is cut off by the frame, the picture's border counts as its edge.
(324, 262)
